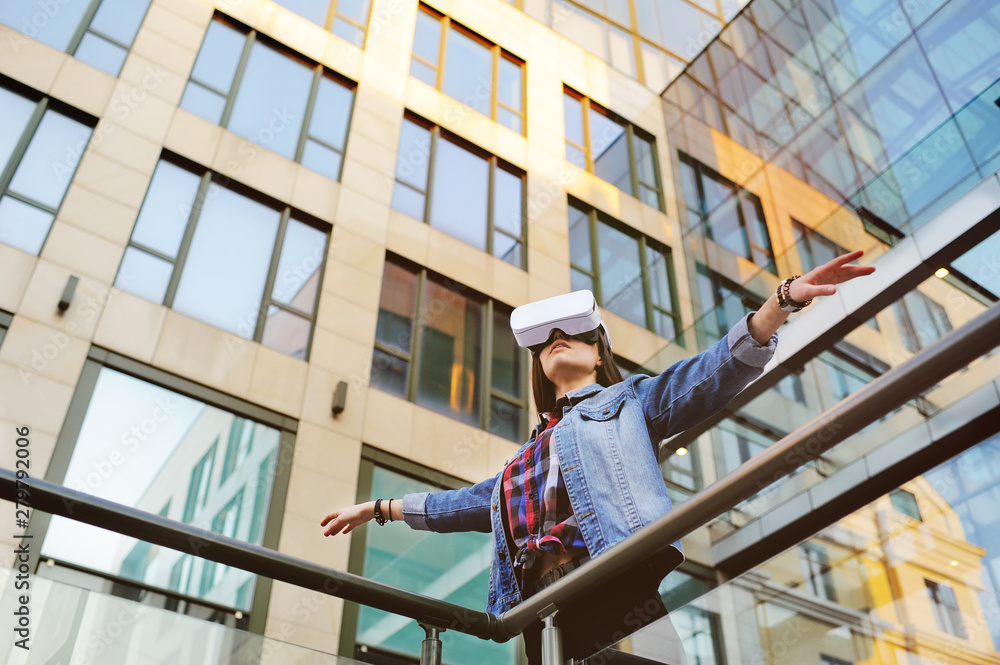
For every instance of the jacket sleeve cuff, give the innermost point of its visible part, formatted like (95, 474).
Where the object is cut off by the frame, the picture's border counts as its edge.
(746, 349)
(415, 511)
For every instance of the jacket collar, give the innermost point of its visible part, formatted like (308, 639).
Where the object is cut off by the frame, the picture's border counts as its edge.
(579, 394)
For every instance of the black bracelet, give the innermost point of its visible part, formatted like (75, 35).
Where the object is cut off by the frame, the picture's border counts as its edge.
(390, 510)
(379, 519)
(785, 302)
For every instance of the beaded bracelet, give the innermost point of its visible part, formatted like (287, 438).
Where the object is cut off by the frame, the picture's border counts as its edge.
(785, 301)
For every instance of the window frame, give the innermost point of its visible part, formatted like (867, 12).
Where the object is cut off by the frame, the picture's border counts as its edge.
(43, 104)
(371, 458)
(98, 359)
(414, 359)
(904, 509)
(496, 54)
(319, 71)
(741, 194)
(815, 560)
(632, 131)
(595, 217)
(287, 212)
(331, 17)
(438, 133)
(85, 26)
(947, 615)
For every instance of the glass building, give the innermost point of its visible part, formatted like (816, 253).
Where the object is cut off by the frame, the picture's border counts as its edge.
(243, 206)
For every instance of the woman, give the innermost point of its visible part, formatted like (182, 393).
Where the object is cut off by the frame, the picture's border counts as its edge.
(588, 477)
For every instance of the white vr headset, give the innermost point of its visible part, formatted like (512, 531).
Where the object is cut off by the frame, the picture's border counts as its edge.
(575, 314)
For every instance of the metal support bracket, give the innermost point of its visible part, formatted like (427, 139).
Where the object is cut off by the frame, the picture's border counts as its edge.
(430, 648)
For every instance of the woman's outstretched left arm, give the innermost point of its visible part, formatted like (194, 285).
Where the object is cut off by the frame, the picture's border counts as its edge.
(820, 281)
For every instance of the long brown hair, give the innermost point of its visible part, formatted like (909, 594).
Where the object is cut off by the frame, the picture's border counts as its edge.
(545, 391)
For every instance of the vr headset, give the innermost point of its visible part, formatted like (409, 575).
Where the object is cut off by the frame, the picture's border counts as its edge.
(575, 314)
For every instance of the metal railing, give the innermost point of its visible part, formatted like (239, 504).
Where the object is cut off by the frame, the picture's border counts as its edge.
(881, 396)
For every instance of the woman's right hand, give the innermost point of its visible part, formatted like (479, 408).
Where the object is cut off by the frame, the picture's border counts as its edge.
(346, 519)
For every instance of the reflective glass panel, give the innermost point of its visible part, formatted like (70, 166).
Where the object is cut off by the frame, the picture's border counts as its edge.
(579, 239)
(227, 264)
(510, 84)
(508, 204)
(297, 280)
(219, 56)
(50, 24)
(16, 112)
(414, 156)
(101, 53)
(166, 209)
(331, 113)
(621, 274)
(271, 103)
(322, 160)
(451, 354)
(468, 71)
(203, 102)
(427, 40)
(459, 201)
(397, 307)
(120, 19)
(286, 332)
(310, 9)
(507, 357)
(609, 150)
(148, 447)
(453, 567)
(51, 159)
(144, 275)
(23, 226)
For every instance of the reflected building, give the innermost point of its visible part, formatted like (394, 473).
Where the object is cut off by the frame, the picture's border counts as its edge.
(262, 201)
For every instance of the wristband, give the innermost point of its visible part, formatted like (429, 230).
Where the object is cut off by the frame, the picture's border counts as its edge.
(785, 301)
(379, 519)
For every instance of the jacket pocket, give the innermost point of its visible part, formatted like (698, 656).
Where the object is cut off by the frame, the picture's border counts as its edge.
(604, 411)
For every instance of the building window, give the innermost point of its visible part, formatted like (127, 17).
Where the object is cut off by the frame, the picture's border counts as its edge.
(723, 303)
(460, 190)
(816, 571)
(5, 320)
(442, 346)
(612, 148)
(814, 248)
(451, 566)
(40, 148)
(97, 32)
(345, 18)
(830, 660)
(630, 274)
(906, 503)
(166, 459)
(250, 267)
(921, 321)
(725, 213)
(469, 68)
(738, 441)
(945, 609)
(683, 469)
(277, 99)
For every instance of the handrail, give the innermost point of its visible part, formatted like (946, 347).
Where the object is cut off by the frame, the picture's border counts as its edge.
(58, 500)
(889, 391)
(892, 389)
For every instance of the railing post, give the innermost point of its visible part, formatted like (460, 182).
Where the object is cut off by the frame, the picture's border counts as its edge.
(430, 648)
(551, 642)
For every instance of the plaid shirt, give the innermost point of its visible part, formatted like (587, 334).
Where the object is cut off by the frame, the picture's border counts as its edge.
(538, 509)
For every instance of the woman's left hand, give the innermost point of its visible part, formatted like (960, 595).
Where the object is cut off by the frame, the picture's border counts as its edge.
(822, 280)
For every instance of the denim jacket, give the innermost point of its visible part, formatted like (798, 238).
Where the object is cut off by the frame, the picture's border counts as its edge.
(607, 445)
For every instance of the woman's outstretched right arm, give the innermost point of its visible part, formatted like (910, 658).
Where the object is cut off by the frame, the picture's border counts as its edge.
(465, 509)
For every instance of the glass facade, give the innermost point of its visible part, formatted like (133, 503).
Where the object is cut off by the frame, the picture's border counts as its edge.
(450, 350)
(629, 274)
(461, 190)
(171, 455)
(98, 32)
(347, 19)
(468, 68)
(454, 567)
(226, 259)
(611, 148)
(238, 75)
(40, 150)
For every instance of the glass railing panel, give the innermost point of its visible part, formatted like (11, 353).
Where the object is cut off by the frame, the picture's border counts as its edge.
(69, 624)
(913, 577)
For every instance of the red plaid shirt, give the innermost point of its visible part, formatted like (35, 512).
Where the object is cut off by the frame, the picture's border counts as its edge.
(539, 512)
